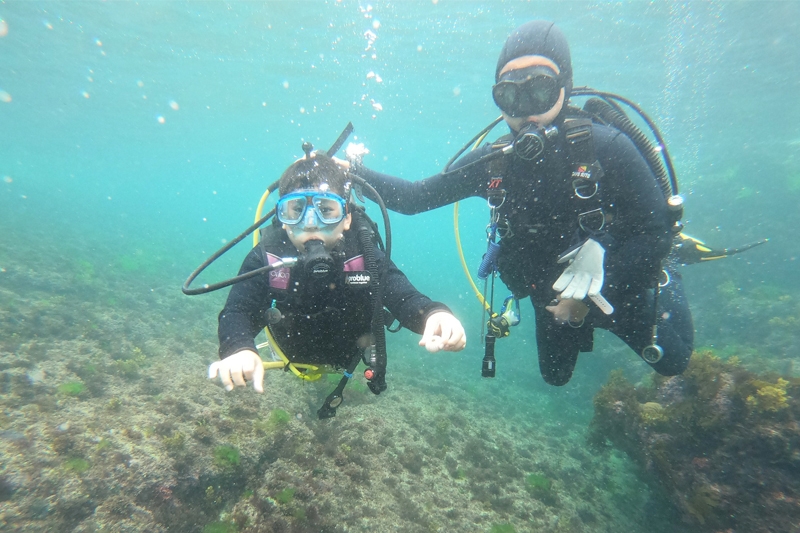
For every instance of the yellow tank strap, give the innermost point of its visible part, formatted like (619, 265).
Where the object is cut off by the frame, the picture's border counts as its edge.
(464, 266)
(301, 370)
(464, 261)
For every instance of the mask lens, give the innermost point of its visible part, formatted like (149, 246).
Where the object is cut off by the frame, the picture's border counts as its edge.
(291, 208)
(528, 91)
(329, 208)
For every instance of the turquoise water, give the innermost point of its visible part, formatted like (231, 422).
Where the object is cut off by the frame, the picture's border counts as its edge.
(136, 138)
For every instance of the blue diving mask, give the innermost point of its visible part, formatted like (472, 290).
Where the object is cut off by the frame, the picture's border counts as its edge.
(303, 206)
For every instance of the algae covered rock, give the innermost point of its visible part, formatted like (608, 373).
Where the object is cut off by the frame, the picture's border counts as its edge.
(720, 441)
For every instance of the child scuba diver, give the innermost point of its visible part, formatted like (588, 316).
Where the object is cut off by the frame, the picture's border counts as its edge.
(318, 299)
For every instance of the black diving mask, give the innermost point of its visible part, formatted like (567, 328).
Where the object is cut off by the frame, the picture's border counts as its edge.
(527, 91)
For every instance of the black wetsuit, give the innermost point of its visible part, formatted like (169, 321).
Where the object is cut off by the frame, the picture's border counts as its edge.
(322, 323)
(542, 212)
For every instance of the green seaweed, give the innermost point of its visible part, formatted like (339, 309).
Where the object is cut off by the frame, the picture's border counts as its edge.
(503, 528)
(285, 496)
(538, 485)
(278, 418)
(226, 457)
(78, 465)
(220, 527)
(72, 388)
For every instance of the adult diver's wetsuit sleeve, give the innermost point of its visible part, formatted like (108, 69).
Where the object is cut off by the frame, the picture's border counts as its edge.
(411, 197)
(243, 316)
(640, 233)
(409, 306)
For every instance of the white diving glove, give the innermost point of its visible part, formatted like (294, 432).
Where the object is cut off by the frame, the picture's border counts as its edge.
(235, 370)
(443, 331)
(584, 275)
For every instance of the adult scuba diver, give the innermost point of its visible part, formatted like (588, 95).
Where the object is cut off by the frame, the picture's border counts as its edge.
(319, 283)
(583, 214)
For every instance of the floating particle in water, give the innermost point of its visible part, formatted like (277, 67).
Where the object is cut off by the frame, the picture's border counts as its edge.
(4, 96)
(456, 91)
(419, 48)
(376, 24)
(85, 94)
(47, 25)
(98, 42)
(174, 105)
(370, 75)
(376, 106)
(3, 28)
(302, 110)
(89, 78)
(285, 84)
(161, 119)
(139, 83)
(8, 179)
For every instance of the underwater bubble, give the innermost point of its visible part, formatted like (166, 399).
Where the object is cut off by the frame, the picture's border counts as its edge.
(3, 28)
(4, 96)
(174, 105)
(419, 48)
(376, 24)
(47, 25)
(285, 84)
(98, 42)
(85, 94)
(161, 119)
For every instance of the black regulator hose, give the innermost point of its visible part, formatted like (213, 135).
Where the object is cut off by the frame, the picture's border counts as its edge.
(378, 383)
(657, 158)
(222, 284)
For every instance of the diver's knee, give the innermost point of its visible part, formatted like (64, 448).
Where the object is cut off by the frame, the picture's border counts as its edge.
(672, 364)
(557, 377)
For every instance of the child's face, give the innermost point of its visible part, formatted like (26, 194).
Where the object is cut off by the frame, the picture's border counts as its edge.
(310, 208)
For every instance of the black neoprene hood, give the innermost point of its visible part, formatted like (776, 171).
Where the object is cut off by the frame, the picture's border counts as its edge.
(538, 38)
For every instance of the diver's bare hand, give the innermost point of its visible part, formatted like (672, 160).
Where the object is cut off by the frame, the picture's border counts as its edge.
(443, 331)
(237, 369)
(568, 310)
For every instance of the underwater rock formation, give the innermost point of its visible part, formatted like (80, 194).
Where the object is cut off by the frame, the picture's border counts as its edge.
(721, 442)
